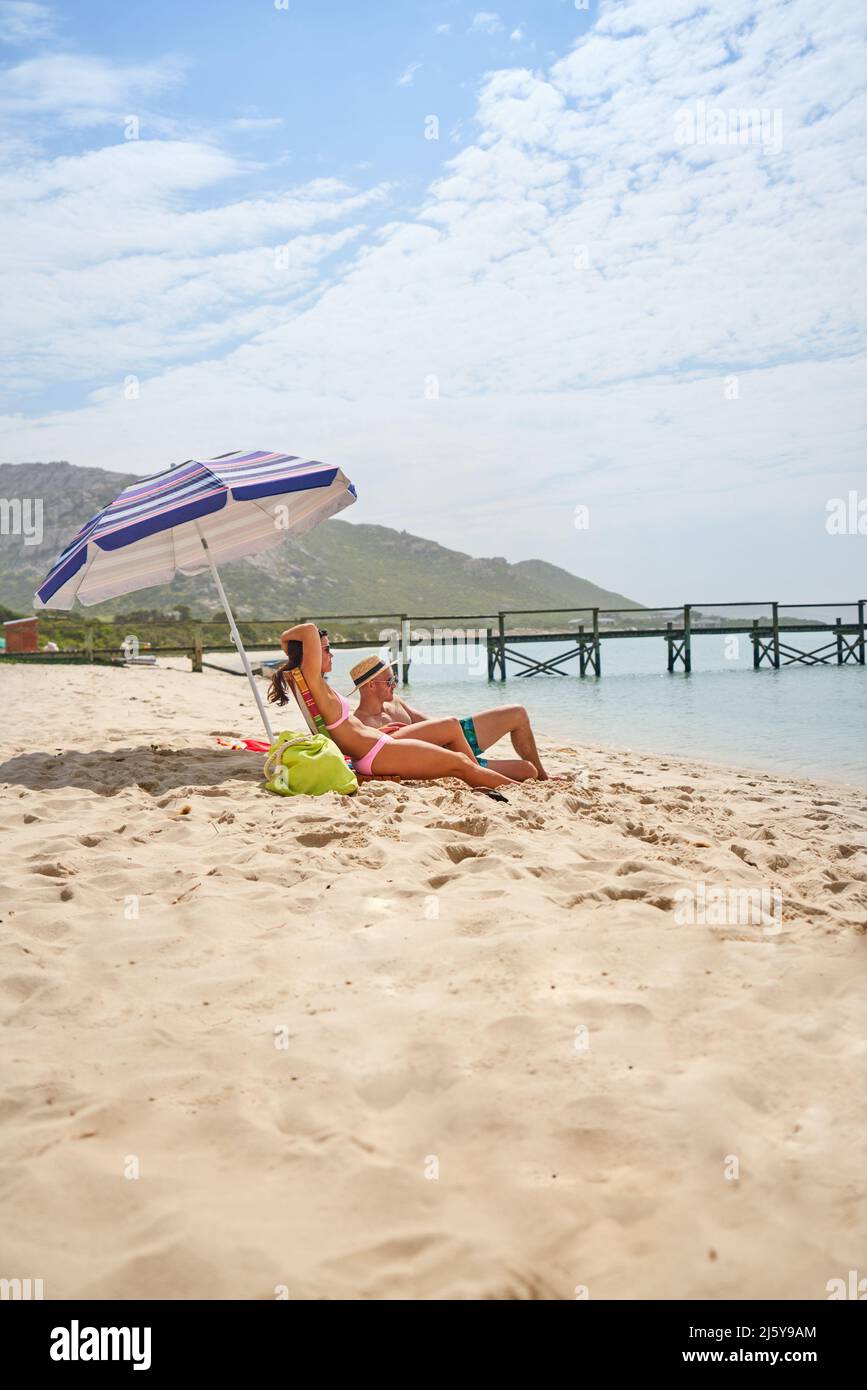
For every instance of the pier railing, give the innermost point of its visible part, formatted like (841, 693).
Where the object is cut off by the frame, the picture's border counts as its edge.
(768, 624)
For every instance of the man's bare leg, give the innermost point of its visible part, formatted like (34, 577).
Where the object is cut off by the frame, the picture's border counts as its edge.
(408, 757)
(445, 733)
(494, 724)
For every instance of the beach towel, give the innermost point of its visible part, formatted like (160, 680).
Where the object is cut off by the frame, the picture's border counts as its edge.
(307, 765)
(250, 745)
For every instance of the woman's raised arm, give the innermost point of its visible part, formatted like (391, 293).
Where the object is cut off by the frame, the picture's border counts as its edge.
(311, 666)
(299, 633)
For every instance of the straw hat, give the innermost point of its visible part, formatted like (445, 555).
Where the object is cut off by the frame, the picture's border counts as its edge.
(367, 670)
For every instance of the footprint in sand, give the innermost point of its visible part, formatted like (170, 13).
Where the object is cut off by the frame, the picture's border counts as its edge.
(633, 866)
(468, 825)
(616, 894)
(53, 870)
(315, 839)
(19, 988)
(457, 853)
(440, 880)
(777, 861)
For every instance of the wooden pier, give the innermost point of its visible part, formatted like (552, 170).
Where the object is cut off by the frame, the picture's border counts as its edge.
(584, 640)
(770, 637)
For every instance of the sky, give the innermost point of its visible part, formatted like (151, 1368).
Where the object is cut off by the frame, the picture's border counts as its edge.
(533, 276)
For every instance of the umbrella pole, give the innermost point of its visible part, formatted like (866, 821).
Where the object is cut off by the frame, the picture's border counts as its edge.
(236, 638)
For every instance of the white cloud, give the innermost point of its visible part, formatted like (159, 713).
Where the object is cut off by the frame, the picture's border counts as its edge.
(517, 34)
(130, 198)
(83, 91)
(409, 72)
(443, 29)
(105, 262)
(22, 22)
(486, 22)
(257, 123)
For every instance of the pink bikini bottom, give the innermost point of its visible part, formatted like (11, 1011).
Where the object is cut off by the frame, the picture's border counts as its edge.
(364, 765)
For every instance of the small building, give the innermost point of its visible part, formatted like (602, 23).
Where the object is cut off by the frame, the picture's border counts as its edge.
(22, 635)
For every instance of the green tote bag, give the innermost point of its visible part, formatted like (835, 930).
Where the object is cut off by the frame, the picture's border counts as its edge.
(307, 765)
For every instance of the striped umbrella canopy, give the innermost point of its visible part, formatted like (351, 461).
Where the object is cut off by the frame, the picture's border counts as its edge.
(190, 518)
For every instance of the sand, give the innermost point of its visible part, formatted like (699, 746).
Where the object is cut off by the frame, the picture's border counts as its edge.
(416, 1044)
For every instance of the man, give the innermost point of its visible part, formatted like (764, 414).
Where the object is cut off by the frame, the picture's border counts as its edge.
(381, 708)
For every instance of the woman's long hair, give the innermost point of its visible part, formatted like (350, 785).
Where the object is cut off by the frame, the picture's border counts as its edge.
(278, 692)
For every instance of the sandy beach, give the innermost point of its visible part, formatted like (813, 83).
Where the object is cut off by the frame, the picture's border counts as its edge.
(416, 1044)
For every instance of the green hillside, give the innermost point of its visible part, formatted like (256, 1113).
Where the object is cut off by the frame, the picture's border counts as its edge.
(339, 568)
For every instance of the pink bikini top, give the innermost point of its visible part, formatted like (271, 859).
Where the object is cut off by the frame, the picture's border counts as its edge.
(344, 711)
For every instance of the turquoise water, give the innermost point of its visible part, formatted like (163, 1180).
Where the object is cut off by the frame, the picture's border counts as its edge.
(799, 721)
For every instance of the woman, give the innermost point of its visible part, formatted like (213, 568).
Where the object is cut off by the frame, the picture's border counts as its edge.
(378, 703)
(370, 750)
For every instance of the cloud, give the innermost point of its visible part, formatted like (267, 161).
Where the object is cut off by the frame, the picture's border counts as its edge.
(580, 310)
(486, 22)
(443, 29)
(24, 23)
(137, 276)
(405, 79)
(517, 34)
(79, 90)
(257, 123)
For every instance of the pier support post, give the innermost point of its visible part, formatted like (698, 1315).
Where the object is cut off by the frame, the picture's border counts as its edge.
(582, 652)
(679, 647)
(839, 636)
(404, 649)
(501, 625)
(88, 641)
(861, 603)
(767, 648)
(198, 649)
(597, 649)
(490, 650)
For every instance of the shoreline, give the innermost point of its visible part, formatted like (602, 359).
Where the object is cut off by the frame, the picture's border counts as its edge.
(791, 778)
(414, 1043)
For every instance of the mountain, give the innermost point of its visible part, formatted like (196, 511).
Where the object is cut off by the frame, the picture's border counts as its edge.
(340, 568)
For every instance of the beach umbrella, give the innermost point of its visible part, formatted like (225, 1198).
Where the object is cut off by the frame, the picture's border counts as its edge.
(190, 518)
